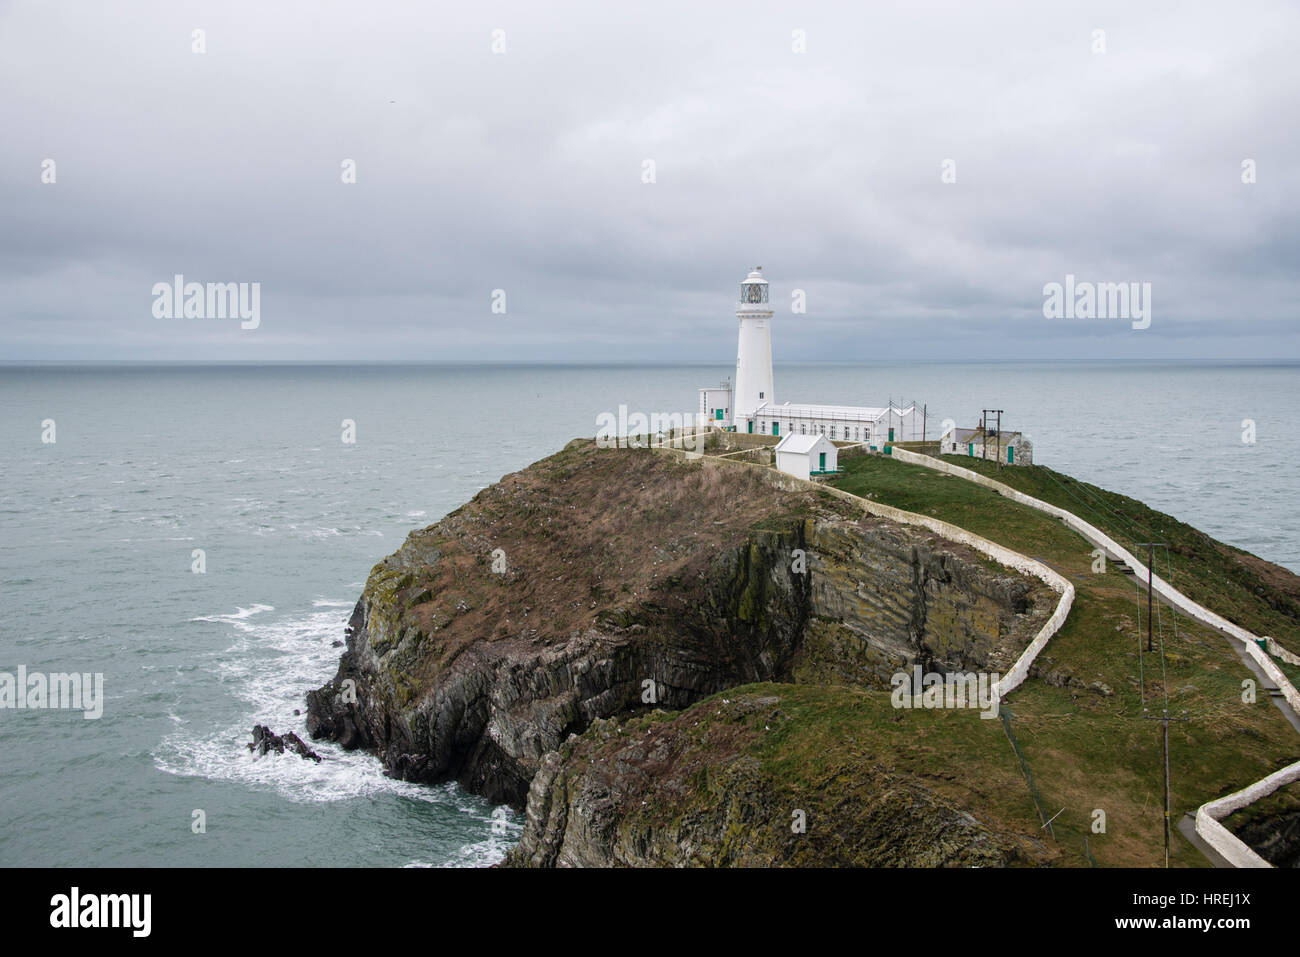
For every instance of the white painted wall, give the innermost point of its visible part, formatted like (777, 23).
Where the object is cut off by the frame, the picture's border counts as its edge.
(793, 463)
(907, 428)
(803, 464)
(753, 366)
(712, 400)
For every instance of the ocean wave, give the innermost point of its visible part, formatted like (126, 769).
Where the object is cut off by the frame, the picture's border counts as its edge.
(239, 615)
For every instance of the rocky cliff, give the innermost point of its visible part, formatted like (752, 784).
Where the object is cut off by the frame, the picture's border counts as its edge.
(612, 583)
(712, 786)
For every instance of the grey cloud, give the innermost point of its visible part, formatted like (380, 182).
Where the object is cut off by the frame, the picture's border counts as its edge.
(522, 171)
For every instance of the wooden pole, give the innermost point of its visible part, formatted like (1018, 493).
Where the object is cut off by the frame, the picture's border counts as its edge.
(1150, 576)
(1165, 725)
(999, 440)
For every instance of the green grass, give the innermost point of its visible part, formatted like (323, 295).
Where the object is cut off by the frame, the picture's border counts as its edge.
(829, 749)
(862, 724)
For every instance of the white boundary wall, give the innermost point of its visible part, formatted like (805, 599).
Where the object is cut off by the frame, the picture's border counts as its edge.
(1207, 824)
(1277, 651)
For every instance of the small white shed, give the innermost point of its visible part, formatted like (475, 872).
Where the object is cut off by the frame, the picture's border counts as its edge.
(806, 455)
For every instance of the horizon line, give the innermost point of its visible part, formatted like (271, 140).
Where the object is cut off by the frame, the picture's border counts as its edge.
(647, 363)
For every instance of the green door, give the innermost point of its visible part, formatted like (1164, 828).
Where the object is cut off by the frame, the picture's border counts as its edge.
(970, 448)
(891, 435)
(1011, 455)
(776, 428)
(821, 462)
(751, 426)
(717, 414)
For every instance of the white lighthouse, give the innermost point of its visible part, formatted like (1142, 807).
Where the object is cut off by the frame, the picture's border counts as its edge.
(754, 353)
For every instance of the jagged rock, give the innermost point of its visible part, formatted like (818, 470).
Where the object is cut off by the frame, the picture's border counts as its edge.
(1056, 677)
(264, 739)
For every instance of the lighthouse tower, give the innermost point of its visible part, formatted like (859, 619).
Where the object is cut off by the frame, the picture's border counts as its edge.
(754, 354)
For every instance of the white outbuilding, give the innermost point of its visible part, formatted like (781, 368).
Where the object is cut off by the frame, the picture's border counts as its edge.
(807, 455)
(1011, 448)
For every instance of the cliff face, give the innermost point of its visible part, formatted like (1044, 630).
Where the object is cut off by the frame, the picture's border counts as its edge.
(598, 583)
(707, 787)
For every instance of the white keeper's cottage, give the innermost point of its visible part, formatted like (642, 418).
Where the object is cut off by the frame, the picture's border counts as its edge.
(1005, 447)
(807, 455)
(750, 406)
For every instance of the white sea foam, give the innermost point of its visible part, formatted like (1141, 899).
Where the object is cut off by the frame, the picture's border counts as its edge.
(483, 853)
(272, 661)
(239, 615)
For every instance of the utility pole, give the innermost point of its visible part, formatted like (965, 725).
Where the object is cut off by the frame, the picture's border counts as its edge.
(1151, 550)
(924, 433)
(1151, 554)
(984, 434)
(999, 445)
(1164, 727)
(1164, 718)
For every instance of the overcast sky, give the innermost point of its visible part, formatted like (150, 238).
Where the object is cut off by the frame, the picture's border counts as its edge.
(523, 171)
